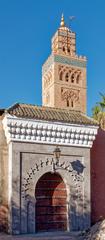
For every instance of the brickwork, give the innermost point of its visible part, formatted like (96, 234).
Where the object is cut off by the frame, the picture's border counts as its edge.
(64, 74)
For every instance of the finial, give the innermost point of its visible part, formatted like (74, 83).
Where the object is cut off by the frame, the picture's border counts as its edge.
(62, 21)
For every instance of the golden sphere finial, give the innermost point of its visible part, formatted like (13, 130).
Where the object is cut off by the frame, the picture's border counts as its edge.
(62, 21)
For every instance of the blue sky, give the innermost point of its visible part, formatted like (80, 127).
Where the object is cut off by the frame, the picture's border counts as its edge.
(26, 28)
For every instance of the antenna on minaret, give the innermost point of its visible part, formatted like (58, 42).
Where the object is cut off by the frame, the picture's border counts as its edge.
(71, 18)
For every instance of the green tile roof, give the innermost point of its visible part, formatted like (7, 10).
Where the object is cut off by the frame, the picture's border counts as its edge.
(50, 114)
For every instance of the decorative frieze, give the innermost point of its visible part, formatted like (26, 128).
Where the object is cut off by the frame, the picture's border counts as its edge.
(79, 62)
(38, 131)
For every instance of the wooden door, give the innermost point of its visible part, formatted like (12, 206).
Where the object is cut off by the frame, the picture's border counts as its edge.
(51, 203)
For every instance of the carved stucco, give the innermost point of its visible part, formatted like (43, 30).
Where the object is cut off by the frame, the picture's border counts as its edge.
(71, 94)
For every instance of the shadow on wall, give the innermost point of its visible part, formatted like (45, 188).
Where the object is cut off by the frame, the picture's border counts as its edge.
(78, 219)
(98, 177)
(24, 222)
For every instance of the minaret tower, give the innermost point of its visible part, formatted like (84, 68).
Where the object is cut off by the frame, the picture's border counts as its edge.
(64, 73)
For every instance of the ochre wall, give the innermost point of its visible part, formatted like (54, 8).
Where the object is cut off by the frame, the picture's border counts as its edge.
(98, 177)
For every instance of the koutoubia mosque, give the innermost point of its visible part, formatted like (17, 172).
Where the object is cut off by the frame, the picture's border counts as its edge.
(49, 154)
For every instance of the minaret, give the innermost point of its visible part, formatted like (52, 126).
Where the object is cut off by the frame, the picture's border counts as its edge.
(64, 73)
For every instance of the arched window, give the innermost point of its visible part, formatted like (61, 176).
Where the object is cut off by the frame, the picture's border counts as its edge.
(63, 49)
(72, 78)
(61, 76)
(67, 77)
(77, 79)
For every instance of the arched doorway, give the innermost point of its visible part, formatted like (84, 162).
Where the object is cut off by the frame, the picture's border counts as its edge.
(51, 203)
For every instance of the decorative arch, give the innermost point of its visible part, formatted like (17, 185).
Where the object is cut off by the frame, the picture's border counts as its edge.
(47, 165)
(51, 203)
(72, 175)
(74, 74)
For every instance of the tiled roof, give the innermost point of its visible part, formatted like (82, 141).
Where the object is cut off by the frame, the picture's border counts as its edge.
(50, 114)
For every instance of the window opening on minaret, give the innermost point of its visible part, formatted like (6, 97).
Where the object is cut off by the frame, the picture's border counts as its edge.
(72, 104)
(72, 78)
(63, 49)
(68, 50)
(67, 77)
(61, 76)
(67, 103)
(77, 80)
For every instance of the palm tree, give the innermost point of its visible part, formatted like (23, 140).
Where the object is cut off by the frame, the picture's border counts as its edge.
(95, 112)
(98, 112)
(102, 103)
